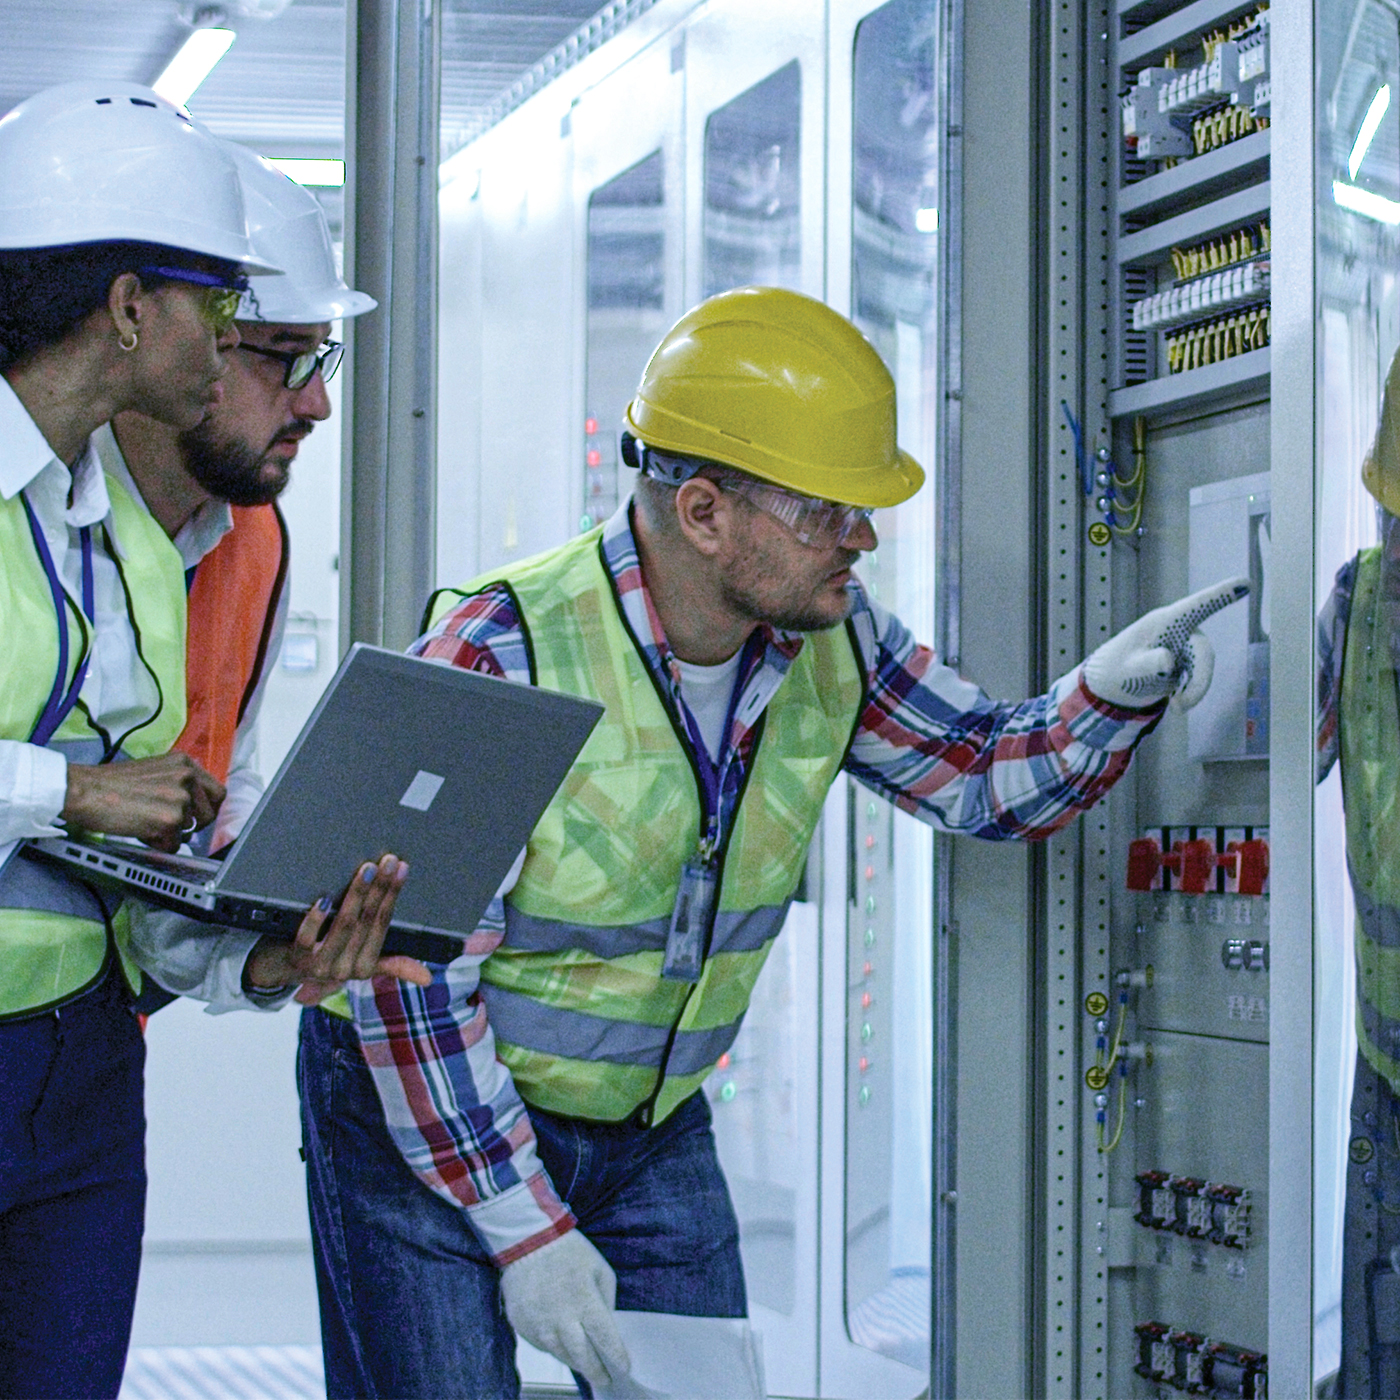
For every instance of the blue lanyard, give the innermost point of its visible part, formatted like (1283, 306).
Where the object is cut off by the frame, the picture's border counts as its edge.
(710, 772)
(60, 703)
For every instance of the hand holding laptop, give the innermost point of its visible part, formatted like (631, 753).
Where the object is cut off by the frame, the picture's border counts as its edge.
(160, 801)
(323, 959)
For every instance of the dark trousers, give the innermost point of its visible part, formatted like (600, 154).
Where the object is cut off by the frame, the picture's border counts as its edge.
(411, 1302)
(72, 1196)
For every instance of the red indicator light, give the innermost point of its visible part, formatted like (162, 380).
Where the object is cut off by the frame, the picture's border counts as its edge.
(594, 457)
(868, 969)
(869, 872)
(590, 426)
(864, 1064)
(869, 843)
(865, 1001)
(724, 1060)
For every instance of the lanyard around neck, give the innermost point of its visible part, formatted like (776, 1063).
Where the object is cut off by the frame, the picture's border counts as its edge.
(711, 772)
(60, 702)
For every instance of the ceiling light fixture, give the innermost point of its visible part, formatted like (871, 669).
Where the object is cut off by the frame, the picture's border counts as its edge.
(1379, 103)
(196, 58)
(1373, 206)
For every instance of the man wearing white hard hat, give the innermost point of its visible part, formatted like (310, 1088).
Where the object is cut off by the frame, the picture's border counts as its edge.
(124, 246)
(213, 488)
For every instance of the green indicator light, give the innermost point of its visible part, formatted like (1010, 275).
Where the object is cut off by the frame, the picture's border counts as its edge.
(728, 1091)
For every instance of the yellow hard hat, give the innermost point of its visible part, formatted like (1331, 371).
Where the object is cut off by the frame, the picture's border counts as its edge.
(1380, 472)
(780, 386)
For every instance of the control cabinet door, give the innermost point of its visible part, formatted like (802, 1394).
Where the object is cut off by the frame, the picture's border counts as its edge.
(628, 180)
(878, 1111)
(755, 147)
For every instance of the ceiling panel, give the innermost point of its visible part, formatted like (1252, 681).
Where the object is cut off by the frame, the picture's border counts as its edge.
(281, 87)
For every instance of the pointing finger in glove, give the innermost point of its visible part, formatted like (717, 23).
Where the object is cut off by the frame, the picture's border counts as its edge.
(1163, 653)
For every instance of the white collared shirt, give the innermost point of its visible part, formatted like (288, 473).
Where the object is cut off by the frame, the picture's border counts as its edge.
(118, 691)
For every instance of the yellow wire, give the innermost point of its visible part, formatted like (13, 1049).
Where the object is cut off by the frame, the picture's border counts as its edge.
(1122, 1117)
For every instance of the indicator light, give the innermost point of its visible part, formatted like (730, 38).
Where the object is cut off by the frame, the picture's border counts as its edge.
(590, 426)
(594, 457)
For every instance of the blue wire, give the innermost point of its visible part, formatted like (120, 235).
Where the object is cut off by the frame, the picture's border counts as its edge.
(1086, 476)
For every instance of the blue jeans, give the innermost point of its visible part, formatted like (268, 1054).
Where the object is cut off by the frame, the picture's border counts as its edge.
(411, 1302)
(72, 1195)
(1371, 1243)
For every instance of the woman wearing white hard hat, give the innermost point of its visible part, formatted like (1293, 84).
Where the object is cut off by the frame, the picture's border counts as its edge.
(123, 250)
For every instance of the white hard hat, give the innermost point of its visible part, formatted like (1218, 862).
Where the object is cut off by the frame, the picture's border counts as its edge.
(100, 162)
(289, 229)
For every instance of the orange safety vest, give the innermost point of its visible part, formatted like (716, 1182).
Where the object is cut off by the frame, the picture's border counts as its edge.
(232, 607)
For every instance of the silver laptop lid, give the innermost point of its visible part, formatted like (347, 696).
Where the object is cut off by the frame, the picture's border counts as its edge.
(448, 769)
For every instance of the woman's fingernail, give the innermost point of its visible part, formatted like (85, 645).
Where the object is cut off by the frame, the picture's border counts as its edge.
(401, 874)
(368, 873)
(324, 904)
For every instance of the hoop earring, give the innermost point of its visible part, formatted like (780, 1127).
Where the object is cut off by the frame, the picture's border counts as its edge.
(121, 340)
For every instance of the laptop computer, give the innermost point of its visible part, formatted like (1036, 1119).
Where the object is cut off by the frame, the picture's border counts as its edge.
(448, 769)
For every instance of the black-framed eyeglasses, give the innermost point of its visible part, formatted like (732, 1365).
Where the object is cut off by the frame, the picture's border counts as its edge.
(219, 305)
(302, 365)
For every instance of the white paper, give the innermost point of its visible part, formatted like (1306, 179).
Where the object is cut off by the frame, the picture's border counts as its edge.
(688, 1358)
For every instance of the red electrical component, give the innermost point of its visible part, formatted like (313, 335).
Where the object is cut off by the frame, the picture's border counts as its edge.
(1200, 860)
(1246, 866)
(1192, 862)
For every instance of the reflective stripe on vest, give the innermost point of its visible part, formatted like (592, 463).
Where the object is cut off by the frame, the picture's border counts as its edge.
(52, 948)
(232, 607)
(582, 1017)
(1370, 753)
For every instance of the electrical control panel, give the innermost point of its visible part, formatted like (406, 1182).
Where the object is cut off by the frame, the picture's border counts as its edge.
(1176, 1077)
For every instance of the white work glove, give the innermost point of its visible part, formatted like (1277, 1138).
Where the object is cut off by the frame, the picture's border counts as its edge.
(1162, 653)
(560, 1299)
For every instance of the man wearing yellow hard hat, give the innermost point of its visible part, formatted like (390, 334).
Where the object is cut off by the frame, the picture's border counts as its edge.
(742, 666)
(1359, 725)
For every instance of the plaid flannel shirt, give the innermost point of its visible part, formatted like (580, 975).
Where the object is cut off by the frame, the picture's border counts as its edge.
(927, 739)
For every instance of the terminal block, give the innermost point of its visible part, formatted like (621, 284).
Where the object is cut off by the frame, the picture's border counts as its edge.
(1201, 860)
(1195, 1365)
(1193, 1208)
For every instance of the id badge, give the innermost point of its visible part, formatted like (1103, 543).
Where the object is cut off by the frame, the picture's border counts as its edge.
(690, 922)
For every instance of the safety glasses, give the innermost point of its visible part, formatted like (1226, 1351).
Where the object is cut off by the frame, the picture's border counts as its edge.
(219, 303)
(301, 365)
(816, 523)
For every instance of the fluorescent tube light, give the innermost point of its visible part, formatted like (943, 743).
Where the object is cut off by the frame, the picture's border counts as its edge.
(1373, 206)
(1379, 103)
(926, 220)
(310, 172)
(195, 61)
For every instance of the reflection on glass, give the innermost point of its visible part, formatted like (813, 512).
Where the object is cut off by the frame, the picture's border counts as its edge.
(626, 318)
(1357, 1114)
(752, 230)
(889, 1128)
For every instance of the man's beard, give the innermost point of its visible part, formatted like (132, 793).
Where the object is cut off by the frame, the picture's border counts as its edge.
(794, 617)
(232, 471)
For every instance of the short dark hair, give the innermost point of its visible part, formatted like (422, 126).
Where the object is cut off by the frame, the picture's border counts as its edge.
(46, 293)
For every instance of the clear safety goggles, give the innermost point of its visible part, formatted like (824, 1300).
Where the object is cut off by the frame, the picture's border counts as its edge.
(219, 304)
(814, 522)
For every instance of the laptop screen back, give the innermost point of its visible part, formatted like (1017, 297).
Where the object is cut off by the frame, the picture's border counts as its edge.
(448, 769)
